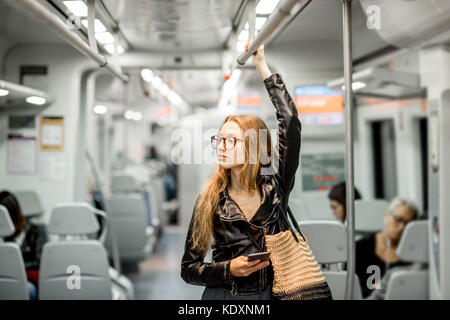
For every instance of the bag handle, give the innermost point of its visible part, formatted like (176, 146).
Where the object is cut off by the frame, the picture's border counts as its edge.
(284, 198)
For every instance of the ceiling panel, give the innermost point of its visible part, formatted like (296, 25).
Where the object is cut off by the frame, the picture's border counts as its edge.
(164, 25)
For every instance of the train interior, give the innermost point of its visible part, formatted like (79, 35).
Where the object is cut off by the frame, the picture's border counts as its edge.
(107, 108)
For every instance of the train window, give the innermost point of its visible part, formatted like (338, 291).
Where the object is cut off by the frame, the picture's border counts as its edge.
(384, 159)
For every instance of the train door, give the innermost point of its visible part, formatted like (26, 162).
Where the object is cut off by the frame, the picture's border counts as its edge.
(384, 159)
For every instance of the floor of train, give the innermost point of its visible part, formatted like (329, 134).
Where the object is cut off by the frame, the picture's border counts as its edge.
(159, 277)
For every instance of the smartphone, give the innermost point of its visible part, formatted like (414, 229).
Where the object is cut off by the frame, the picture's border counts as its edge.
(262, 256)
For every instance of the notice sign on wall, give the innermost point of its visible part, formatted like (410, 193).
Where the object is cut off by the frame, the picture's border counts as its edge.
(322, 171)
(21, 154)
(52, 133)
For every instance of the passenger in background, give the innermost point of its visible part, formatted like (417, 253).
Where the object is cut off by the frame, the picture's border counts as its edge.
(337, 200)
(30, 237)
(379, 249)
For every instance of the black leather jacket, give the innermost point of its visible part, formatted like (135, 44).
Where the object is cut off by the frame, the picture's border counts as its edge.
(231, 228)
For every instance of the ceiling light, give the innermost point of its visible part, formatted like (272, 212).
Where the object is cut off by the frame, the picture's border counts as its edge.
(243, 36)
(78, 8)
(164, 90)
(356, 85)
(266, 6)
(259, 22)
(137, 116)
(104, 37)
(240, 46)
(36, 100)
(98, 25)
(100, 109)
(110, 47)
(129, 115)
(156, 83)
(3, 92)
(147, 74)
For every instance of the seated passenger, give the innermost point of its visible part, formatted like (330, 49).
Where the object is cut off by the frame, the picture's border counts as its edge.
(29, 236)
(337, 200)
(378, 250)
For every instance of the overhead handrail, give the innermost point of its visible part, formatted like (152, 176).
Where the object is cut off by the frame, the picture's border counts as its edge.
(282, 11)
(251, 17)
(91, 25)
(35, 9)
(23, 91)
(349, 152)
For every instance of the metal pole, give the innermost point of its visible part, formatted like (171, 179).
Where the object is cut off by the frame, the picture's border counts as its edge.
(251, 17)
(349, 185)
(35, 9)
(282, 11)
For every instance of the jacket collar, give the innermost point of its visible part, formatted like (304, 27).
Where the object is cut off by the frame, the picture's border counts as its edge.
(230, 211)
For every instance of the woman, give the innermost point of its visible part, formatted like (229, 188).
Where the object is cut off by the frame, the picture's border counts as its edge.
(241, 201)
(338, 200)
(379, 249)
(30, 237)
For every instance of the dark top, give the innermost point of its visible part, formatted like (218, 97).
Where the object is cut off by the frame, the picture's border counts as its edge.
(365, 257)
(35, 238)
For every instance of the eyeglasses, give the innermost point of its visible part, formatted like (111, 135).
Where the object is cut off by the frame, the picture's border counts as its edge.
(229, 142)
(399, 220)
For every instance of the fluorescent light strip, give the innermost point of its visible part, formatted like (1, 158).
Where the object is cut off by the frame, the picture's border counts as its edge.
(36, 100)
(259, 22)
(98, 25)
(77, 7)
(147, 75)
(104, 37)
(111, 46)
(266, 6)
(356, 85)
(99, 109)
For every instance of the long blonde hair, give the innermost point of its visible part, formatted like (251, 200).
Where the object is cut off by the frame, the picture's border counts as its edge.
(208, 200)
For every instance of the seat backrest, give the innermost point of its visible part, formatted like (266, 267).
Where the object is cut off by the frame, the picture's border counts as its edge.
(298, 208)
(327, 240)
(124, 183)
(128, 212)
(13, 280)
(76, 269)
(328, 243)
(318, 206)
(413, 247)
(369, 215)
(29, 202)
(337, 282)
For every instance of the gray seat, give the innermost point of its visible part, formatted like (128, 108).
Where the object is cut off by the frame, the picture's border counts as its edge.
(328, 242)
(30, 204)
(411, 284)
(318, 207)
(130, 209)
(74, 267)
(13, 280)
(298, 208)
(369, 215)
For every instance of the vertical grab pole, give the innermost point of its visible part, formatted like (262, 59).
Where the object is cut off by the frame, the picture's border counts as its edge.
(349, 185)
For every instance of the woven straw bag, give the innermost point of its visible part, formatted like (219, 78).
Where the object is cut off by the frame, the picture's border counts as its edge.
(297, 275)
